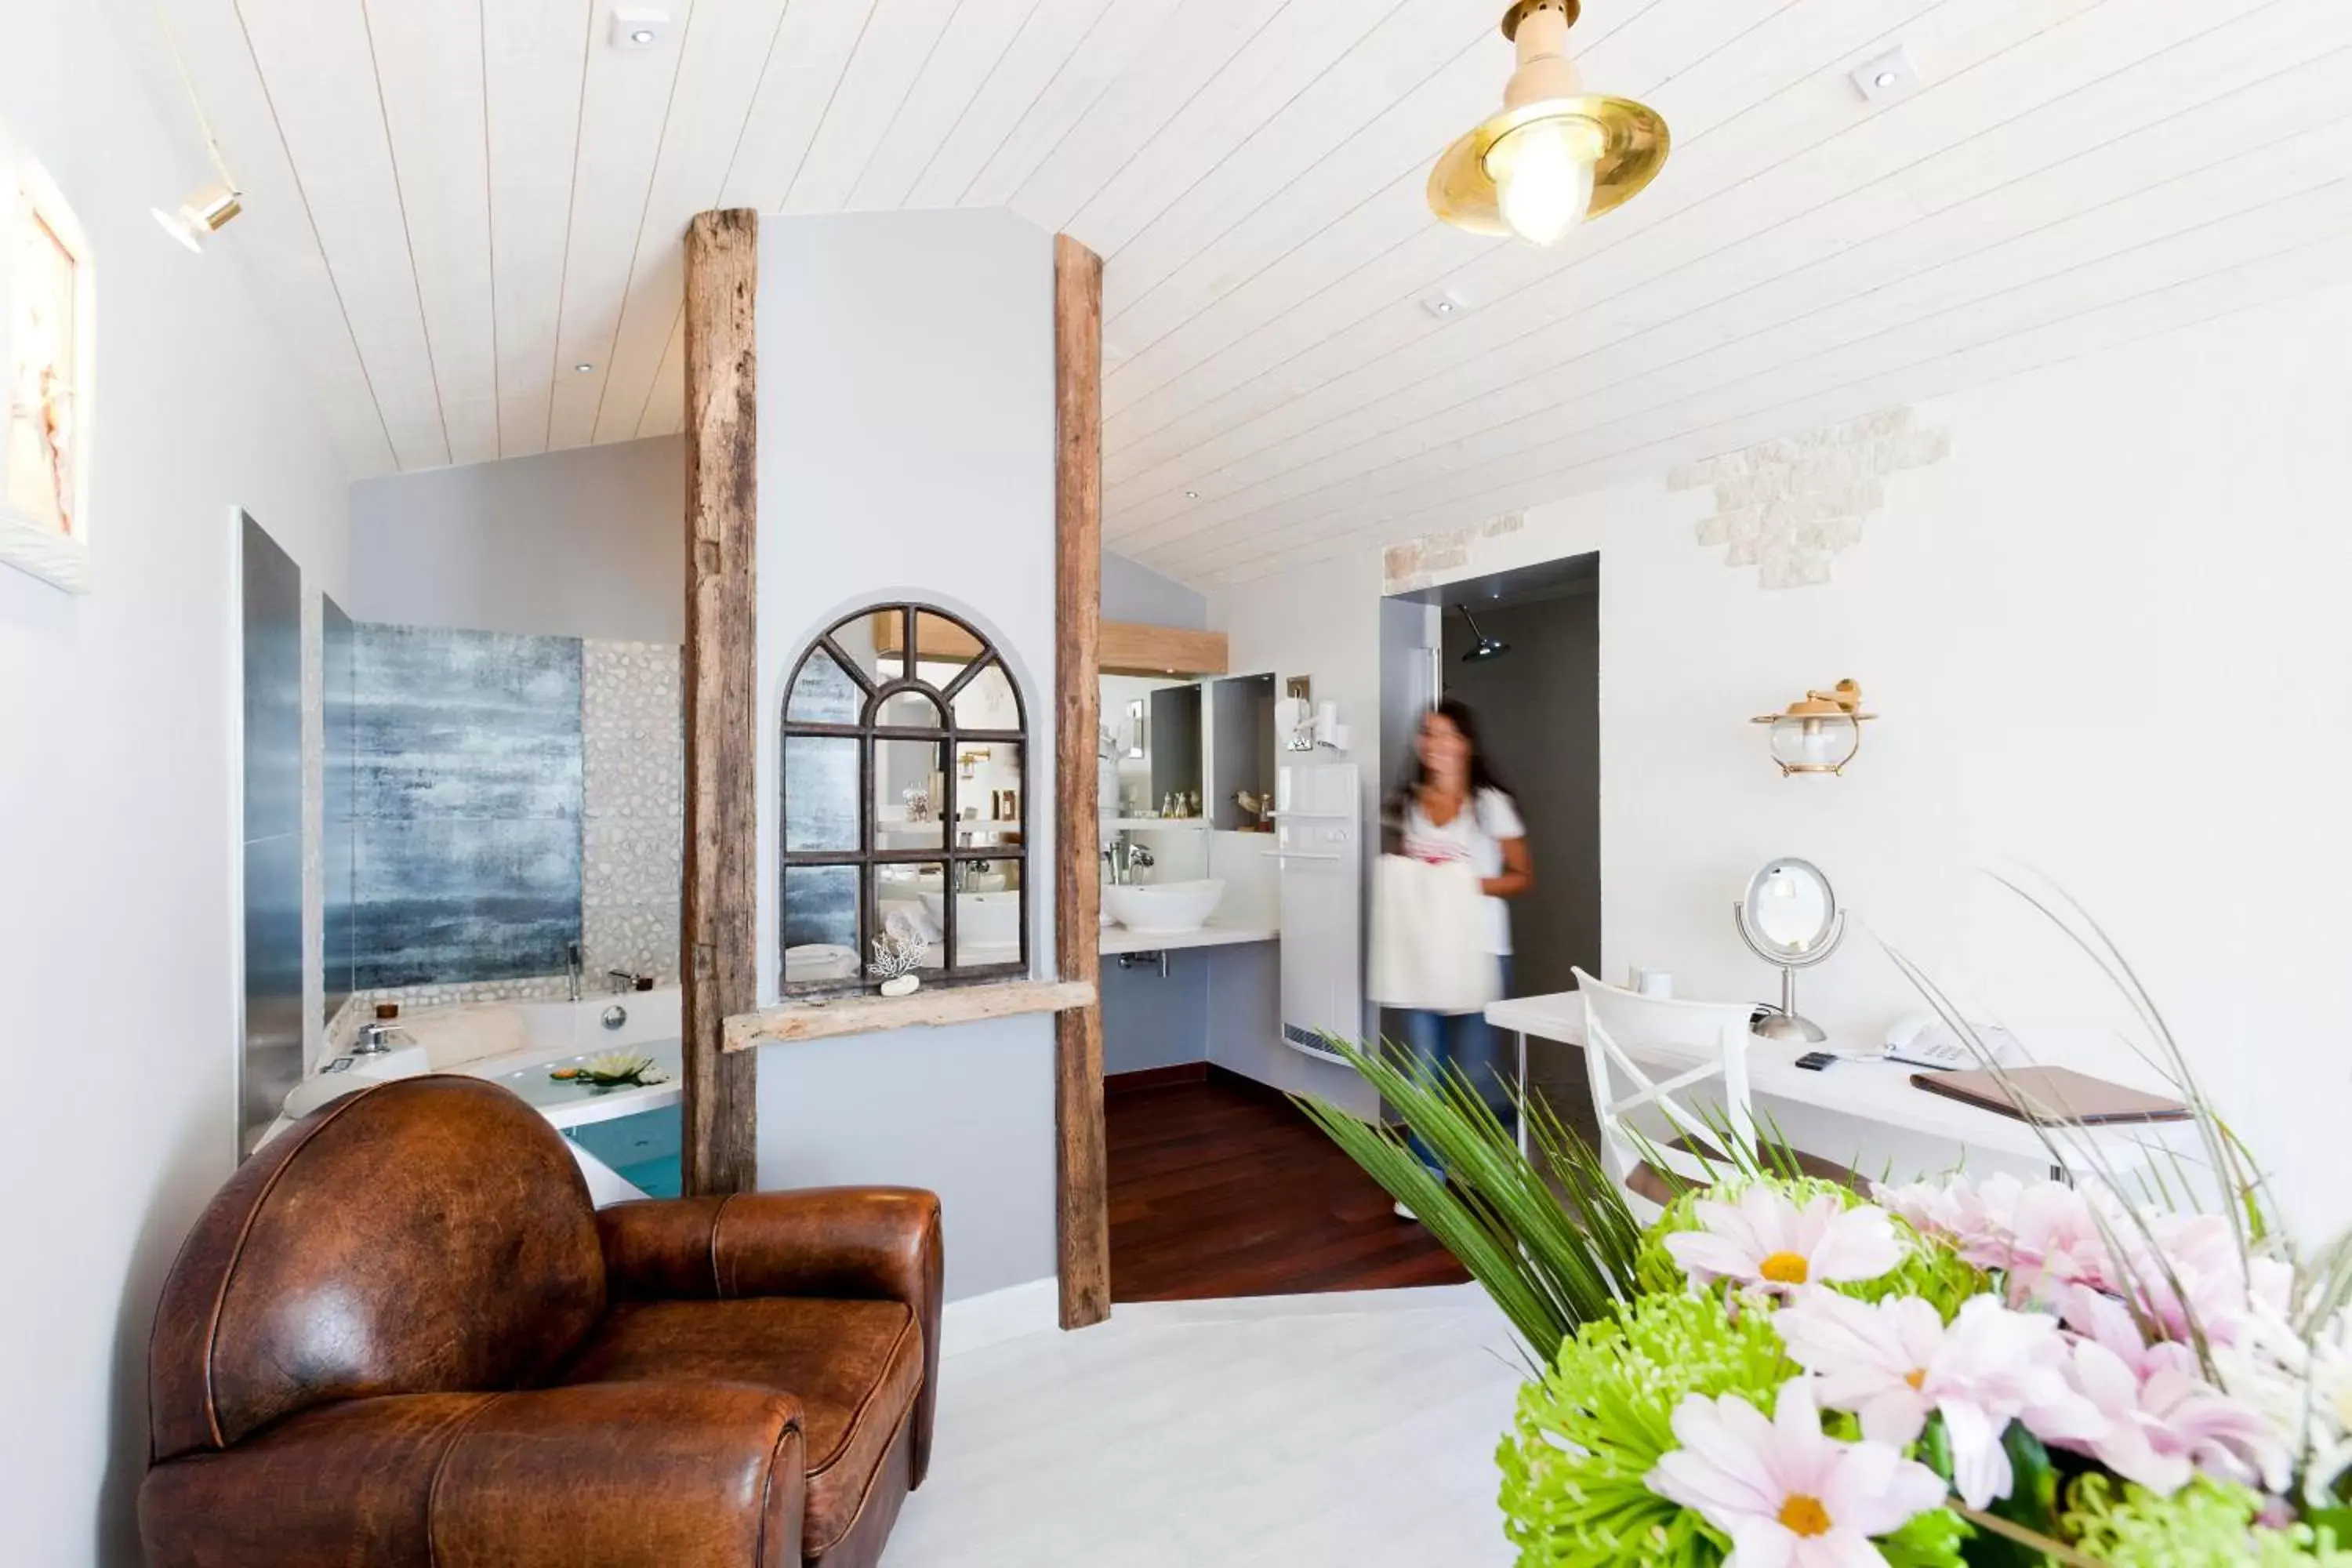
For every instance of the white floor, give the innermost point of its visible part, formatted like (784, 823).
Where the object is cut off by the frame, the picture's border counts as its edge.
(1353, 1430)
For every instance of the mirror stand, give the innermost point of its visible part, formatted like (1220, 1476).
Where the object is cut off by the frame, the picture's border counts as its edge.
(1765, 926)
(1788, 1024)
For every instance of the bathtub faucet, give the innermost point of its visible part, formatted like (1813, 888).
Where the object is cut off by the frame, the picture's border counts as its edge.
(620, 980)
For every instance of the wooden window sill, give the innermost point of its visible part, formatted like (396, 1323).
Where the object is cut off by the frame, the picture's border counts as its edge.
(824, 1017)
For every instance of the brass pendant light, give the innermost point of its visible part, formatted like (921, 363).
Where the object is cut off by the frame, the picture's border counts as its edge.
(1556, 155)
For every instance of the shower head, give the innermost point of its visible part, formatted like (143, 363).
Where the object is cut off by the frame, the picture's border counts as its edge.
(1485, 648)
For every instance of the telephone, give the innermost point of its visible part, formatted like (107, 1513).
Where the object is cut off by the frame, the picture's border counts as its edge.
(1925, 1040)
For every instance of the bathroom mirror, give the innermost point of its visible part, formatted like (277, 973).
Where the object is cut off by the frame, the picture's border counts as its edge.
(1790, 913)
(1790, 917)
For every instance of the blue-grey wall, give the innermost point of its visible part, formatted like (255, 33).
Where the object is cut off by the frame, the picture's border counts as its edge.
(1150, 1020)
(1134, 592)
(465, 805)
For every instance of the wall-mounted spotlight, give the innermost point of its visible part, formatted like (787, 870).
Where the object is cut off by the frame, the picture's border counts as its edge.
(201, 216)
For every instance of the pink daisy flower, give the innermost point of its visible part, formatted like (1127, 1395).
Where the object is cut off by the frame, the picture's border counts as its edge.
(1764, 1239)
(1788, 1495)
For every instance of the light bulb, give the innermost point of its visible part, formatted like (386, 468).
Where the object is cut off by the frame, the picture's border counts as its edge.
(1543, 175)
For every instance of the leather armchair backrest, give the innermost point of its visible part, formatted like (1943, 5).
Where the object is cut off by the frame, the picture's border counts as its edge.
(429, 1235)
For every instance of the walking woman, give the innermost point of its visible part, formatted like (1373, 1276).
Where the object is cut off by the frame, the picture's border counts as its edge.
(1455, 811)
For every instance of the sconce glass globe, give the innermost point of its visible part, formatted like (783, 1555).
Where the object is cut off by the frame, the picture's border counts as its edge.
(1819, 734)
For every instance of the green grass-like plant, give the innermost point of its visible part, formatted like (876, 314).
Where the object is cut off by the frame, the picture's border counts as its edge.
(1547, 1233)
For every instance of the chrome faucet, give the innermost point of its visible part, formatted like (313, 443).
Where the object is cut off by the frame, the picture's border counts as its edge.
(1124, 857)
(372, 1038)
(572, 971)
(618, 981)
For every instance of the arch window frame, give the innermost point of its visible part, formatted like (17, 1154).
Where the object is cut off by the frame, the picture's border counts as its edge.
(870, 733)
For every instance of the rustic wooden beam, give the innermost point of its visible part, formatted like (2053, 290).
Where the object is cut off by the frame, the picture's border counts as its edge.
(831, 1017)
(1082, 1211)
(720, 917)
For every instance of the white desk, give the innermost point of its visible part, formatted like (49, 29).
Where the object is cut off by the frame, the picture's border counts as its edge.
(1875, 1091)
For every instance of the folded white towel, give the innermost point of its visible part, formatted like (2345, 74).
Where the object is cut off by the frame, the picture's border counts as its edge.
(1428, 926)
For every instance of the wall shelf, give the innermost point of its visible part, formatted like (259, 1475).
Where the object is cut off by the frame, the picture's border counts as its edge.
(825, 1017)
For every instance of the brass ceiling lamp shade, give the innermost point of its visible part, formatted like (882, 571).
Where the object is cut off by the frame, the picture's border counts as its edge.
(1556, 155)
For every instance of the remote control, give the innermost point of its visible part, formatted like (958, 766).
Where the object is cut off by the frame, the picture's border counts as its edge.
(1814, 1061)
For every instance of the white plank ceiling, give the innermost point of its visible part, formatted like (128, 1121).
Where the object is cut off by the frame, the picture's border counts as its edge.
(467, 213)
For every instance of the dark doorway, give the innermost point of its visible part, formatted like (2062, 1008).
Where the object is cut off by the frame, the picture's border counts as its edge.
(1539, 703)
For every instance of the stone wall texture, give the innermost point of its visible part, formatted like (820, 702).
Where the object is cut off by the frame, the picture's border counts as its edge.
(1787, 507)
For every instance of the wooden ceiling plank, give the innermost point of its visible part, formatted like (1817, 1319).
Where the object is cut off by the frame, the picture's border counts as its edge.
(968, 51)
(1893, 358)
(322, 85)
(1191, 47)
(274, 239)
(665, 410)
(429, 69)
(1744, 118)
(1111, 47)
(2013, 184)
(722, 59)
(1299, 45)
(535, 62)
(625, 104)
(1835, 154)
(1376, 111)
(1049, 37)
(2282, 134)
(803, 68)
(898, 43)
(2120, 322)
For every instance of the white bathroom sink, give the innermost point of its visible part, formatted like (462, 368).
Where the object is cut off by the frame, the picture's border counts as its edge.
(982, 919)
(1163, 906)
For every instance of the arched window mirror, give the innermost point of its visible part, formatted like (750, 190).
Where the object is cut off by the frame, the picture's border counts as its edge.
(903, 794)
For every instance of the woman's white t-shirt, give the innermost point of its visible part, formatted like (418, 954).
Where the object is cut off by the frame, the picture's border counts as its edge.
(1475, 837)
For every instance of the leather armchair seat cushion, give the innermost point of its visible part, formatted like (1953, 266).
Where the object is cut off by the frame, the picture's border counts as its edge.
(855, 1367)
(691, 1475)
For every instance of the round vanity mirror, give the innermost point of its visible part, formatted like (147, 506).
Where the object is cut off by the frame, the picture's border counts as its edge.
(1791, 918)
(1790, 914)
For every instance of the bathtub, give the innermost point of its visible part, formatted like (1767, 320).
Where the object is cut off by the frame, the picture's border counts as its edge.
(626, 1141)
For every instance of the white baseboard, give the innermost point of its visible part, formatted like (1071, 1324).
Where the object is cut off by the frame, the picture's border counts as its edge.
(985, 1319)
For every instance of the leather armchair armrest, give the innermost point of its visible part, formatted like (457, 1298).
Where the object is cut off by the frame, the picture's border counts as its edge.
(855, 1243)
(688, 1475)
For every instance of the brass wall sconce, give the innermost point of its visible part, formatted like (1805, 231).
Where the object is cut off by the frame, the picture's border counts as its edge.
(1819, 734)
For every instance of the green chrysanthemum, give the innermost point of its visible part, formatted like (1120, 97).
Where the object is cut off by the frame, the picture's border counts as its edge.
(2205, 1524)
(1587, 1435)
(1930, 1269)
(1599, 1421)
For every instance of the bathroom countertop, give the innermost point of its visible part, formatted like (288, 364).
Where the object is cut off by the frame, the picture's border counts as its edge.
(1118, 939)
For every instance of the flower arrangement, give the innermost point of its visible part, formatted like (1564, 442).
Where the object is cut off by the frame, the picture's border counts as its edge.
(1783, 1373)
(612, 1069)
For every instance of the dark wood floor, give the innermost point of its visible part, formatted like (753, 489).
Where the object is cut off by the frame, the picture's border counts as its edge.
(1221, 1187)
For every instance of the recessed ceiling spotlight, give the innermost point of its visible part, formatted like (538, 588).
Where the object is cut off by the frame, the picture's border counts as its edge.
(1191, 495)
(1445, 306)
(637, 27)
(584, 366)
(1889, 76)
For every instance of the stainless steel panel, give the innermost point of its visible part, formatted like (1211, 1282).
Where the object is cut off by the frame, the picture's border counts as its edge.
(337, 851)
(270, 1060)
(273, 983)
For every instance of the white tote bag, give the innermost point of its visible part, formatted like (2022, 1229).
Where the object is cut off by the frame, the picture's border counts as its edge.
(1427, 921)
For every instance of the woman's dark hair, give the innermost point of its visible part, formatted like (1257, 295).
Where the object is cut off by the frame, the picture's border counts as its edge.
(1465, 720)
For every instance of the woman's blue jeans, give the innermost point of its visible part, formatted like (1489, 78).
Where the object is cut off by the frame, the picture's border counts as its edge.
(1464, 1040)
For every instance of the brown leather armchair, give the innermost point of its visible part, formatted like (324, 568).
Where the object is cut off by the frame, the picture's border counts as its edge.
(401, 1336)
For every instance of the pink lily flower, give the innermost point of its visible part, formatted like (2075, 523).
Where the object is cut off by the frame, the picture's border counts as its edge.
(1766, 1240)
(1788, 1495)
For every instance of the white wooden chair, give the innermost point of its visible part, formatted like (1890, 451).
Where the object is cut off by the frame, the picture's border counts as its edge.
(1698, 1149)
